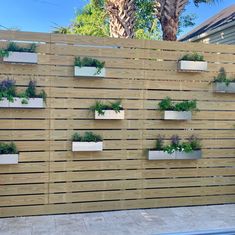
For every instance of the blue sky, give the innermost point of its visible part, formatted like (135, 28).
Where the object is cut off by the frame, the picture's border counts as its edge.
(42, 15)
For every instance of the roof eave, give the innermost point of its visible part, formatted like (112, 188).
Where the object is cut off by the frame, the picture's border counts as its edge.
(205, 34)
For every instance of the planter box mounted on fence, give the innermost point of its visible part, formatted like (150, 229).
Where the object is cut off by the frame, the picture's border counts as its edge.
(32, 103)
(222, 87)
(88, 72)
(161, 155)
(9, 159)
(21, 57)
(177, 115)
(192, 66)
(87, 146)
(110, 115)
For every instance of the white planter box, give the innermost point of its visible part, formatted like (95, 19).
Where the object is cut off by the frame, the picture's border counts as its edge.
(110, 115)
(21, 57)
(33, 103)
(88, 72)
(176, 115)
(9, 159)
(192, 66)
(223, 88)
(161, 155)
(87, 146)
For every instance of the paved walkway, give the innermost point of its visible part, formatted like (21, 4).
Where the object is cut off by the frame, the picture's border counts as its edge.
(129, 222)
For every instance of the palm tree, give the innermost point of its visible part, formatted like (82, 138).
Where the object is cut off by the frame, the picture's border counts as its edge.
(122, 18)
(168, 12)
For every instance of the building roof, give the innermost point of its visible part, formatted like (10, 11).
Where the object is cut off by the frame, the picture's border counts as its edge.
(222, 18)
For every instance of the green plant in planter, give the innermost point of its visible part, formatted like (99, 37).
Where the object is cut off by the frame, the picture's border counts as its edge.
(89, 62)
(87, 137)
(6, 148)
(31, 91)
(101, 107)
(223, 78)
(187, 105)
(8, 91)
(12, 46)
(174, 146)
(192, 144)
(193, 57)
(160, 143)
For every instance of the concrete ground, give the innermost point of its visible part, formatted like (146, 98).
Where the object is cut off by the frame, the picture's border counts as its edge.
(128, 222)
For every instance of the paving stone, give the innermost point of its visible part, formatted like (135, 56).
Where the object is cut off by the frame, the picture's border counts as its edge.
(129, 222)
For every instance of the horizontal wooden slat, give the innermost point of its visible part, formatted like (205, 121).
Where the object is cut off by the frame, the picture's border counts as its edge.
(115, 205)
(23, 189)
(134, 184)
(137, 194)
(137, 174)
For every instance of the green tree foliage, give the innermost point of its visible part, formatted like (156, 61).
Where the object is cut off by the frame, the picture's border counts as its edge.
(147, 26)
(93, 20)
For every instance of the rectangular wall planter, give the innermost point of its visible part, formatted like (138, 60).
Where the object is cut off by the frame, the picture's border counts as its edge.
(176, 115)
(161, 155)
(88, 72)
(9, 159)
(87, 146)
(221, 87)
(192, 66)
(33, 103)
(110, 115)
(21, 57)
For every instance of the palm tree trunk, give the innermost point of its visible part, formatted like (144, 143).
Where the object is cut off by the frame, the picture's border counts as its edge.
(122, 18)
(169, 28)
(168, 11)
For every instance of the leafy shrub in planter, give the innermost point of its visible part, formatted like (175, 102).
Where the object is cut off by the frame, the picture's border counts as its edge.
(191, 145)
(223, 78)
(187, 105)
(89, 62)
(6, 148)
(101, 107)
(15, 48)
(193, 57)
(87, 137)
(8, 91)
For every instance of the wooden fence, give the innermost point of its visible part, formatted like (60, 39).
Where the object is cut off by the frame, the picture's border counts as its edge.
(51, 179)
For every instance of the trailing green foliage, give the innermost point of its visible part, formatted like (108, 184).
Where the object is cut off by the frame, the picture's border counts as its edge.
(191, 145)
(89, 62)
(222, 77)
(193, 57)
(8, 91)
(12, 46)
(187, 105)
(101, 107)
(87, 137)
(6, 148)
(4, 53)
